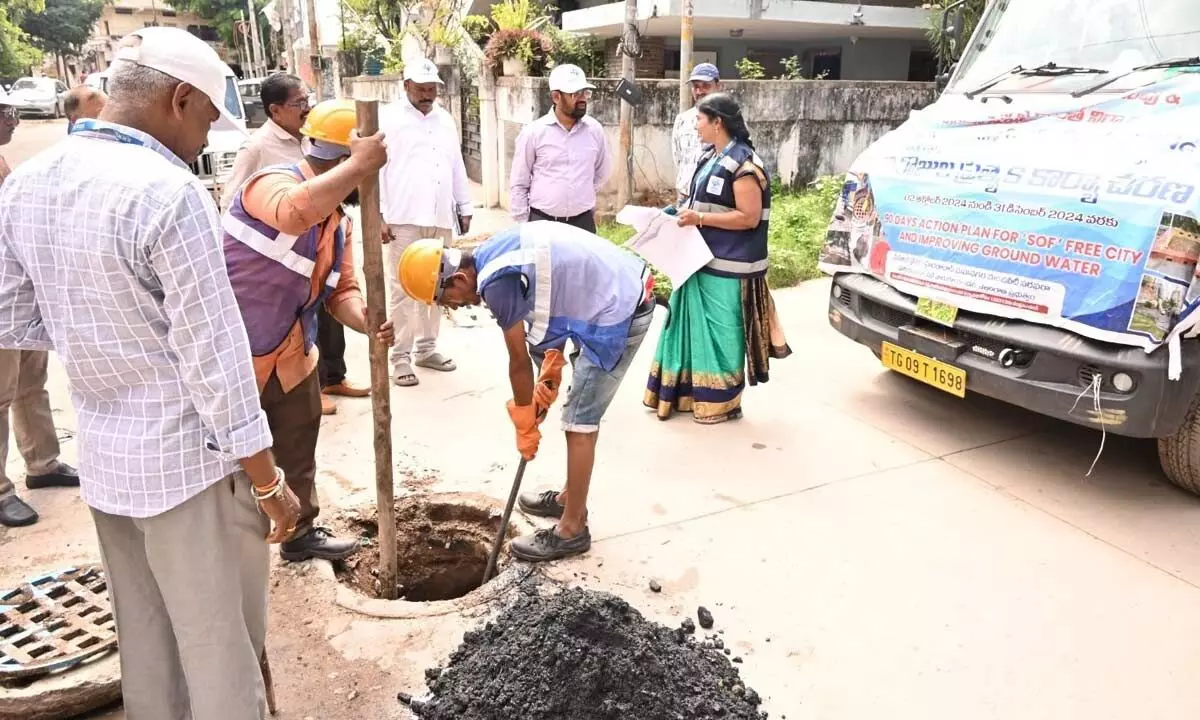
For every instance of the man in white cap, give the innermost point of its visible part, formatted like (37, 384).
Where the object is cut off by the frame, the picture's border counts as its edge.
(424, 193)
(110, 253)
(686, 147)
(561, 159)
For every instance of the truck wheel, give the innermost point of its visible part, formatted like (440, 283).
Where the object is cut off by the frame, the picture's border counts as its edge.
(1179, 454)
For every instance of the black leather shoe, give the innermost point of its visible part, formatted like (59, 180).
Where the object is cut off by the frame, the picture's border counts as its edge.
(62, 476)
(317, 543)
(14, 512)
(543, 504)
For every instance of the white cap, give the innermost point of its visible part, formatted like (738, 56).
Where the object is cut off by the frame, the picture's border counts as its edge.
(183, 56)
(422, 71)
(569, 79)
(3, 97)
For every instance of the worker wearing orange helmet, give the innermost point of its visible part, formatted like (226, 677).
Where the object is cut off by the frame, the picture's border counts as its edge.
(548, 283)
(287, 250)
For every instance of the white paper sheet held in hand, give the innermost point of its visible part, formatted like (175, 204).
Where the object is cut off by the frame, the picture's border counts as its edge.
(678, 252)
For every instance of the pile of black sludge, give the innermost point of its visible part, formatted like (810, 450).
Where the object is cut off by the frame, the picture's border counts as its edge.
(582, 655)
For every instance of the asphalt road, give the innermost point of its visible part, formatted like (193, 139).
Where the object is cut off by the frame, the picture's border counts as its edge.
(32, 136)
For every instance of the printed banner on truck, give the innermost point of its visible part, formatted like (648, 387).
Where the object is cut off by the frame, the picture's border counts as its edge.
(1082, 215)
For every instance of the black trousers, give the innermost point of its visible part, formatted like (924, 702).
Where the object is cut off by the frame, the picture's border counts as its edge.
(331, 344)
(584, 220)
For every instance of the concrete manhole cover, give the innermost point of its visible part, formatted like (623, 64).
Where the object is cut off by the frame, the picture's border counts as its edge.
(442, 545)
(57, 635)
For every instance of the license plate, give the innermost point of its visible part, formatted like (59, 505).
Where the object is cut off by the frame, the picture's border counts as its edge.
(929, 371)
(939, 312)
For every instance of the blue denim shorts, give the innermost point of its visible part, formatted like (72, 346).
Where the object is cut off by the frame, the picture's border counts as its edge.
(592, 388)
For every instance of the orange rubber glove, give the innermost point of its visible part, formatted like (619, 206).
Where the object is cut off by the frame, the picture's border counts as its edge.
(545, 390)
(525, 420)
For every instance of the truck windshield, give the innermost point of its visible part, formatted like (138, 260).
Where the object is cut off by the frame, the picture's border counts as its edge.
(1113, 35)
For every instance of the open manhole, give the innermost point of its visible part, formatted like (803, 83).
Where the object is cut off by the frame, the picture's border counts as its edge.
(442, 546)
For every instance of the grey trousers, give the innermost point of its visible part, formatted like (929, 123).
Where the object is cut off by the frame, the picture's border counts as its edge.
(189, 591)
(23, 393)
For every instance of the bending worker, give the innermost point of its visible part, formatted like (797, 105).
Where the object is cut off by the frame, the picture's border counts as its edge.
(288, 250)
(547, 283)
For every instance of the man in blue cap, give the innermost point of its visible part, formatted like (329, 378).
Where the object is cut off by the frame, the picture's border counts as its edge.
(686, 147)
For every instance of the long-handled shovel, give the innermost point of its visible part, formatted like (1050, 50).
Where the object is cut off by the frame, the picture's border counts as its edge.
(508, 508)
(265, 666)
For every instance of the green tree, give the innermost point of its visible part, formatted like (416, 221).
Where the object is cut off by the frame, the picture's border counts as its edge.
(970, 12)
(17, 54)
(63, 26)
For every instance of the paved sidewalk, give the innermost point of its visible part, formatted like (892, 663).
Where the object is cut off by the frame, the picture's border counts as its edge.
(871, 547)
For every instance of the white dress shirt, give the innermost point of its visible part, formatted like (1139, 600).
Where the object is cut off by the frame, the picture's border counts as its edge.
(686, 150)
(110, 254)
(424, 182)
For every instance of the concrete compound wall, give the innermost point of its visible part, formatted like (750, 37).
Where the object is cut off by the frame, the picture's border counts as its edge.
(802, 129)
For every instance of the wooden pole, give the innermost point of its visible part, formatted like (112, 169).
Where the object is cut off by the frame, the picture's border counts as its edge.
(685, 57)
(629, 45)
(373, 269)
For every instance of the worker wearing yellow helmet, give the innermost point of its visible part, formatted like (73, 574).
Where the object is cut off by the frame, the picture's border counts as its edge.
(548, 283)
(288, 250)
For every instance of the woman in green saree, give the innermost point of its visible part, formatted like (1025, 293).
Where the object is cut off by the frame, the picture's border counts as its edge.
(722, 326)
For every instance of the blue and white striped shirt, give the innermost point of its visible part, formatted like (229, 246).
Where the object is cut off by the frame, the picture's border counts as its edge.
(110, 254)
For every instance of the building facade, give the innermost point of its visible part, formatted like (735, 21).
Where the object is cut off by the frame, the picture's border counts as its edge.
(833, 39)
(121, 17)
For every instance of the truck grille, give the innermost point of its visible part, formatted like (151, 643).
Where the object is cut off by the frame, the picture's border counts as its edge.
(1087, 372)
(886, 315)
(202, 166)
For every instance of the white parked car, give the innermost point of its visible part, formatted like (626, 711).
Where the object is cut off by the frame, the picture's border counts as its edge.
(215, 165)
(38, 96)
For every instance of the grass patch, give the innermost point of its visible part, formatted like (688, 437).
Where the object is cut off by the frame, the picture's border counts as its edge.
(799, 219)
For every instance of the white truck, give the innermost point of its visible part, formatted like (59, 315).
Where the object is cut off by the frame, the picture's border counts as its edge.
(1034, 234)
(215, 164)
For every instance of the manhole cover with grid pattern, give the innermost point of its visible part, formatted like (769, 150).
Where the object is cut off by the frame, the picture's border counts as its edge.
(54, 622)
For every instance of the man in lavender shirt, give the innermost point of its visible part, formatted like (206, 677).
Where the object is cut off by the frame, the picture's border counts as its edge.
(561, 159)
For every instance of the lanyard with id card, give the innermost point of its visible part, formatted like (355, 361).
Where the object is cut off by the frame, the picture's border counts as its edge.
(713, 185)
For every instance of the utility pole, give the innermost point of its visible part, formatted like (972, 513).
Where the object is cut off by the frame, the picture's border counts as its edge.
(314, 51)
(629, 43)
(240, 41)
(685, 56)
(258, 61)
(289, 41)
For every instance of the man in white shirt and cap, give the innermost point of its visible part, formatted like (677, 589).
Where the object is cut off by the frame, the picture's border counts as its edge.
(686, 147)
(424, 194)
(126, 279)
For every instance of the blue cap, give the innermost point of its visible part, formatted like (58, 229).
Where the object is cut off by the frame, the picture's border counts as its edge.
(705, 72)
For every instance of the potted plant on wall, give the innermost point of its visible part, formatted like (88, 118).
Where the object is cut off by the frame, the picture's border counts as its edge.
(517, 45)
(444, 40)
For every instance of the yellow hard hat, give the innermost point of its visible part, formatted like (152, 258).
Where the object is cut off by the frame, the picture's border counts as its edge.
(331, 121)
(423, 267)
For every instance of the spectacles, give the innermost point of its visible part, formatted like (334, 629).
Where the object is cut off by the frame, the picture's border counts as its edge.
(585, 94)
(8, 113)
(299, 105)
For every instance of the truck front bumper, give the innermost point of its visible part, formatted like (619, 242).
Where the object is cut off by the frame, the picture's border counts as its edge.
(1045, 369)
